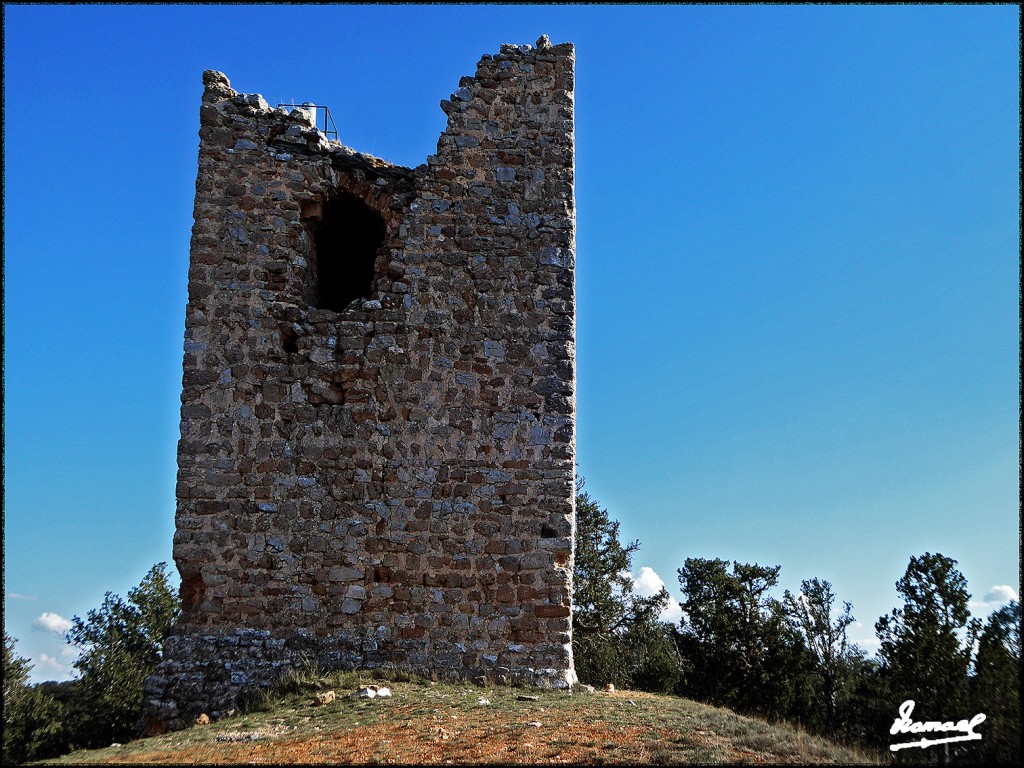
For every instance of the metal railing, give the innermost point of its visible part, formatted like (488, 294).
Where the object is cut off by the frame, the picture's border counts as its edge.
(329, 128)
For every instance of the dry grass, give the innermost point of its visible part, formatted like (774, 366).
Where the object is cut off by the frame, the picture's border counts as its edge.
(426, 723)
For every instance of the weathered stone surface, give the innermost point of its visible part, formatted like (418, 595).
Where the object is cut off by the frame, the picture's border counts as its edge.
(379, 473)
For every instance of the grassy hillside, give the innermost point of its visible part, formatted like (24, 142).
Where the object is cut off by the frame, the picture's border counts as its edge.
(430, 723)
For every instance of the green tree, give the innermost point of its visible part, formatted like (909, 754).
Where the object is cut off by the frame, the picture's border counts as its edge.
(15, 671)
(616, 635)
(710, 631)
(33, 723)
(995, 687)
(926, 645)
(653, 662)
(811, 613)
(121, 644)
(16, 689)
(738, 648)
(865, 713)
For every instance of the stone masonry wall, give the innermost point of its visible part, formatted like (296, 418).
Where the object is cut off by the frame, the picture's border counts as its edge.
(387, 483)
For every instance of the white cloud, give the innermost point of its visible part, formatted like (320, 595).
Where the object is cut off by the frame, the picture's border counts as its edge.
(16, 596)
(673, 614)
(998, 595)
(1001, 593)
(51, 622)
(647, 584)
(49, 663)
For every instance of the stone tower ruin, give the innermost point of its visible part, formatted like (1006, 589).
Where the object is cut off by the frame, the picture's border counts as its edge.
(376, 464)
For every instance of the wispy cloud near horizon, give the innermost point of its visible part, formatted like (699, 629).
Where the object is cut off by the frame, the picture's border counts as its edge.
(56, 668)
(858, 634)
(997, 596)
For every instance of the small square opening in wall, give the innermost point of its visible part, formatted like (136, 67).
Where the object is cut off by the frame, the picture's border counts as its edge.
(346, 238)
(289, 340)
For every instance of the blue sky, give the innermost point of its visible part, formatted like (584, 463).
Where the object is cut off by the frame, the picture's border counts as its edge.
(797, 273)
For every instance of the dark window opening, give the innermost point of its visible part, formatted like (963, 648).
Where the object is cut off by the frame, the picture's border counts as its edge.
(191, 590)
(289, 340)
(346, 241)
